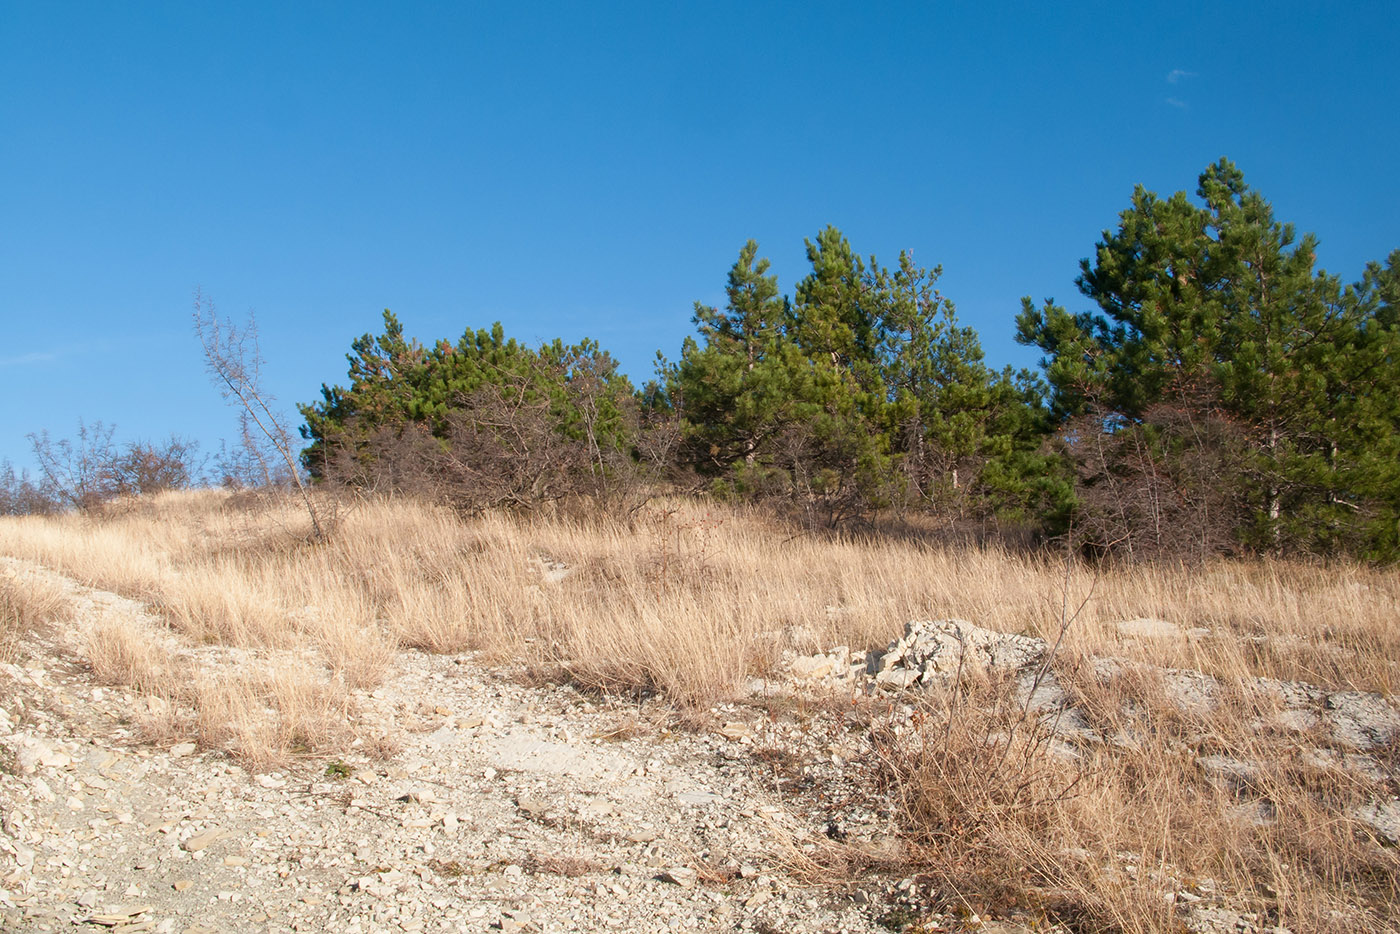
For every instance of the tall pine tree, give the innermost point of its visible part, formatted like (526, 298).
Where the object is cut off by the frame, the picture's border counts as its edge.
(1212, 313)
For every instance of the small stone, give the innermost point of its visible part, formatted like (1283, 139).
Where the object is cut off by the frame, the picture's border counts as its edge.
(43, 792)
(1147, 628)
(180, 750)
(34, 752)
(235, 861)
(897, 679)
(74, 803)
(678, 875)
(112, 917)
(597, 809)
(181, 885)
(199, 841)
(641, 836)
(534, 807)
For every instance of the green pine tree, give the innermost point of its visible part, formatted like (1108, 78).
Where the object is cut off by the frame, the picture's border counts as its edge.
(1212, 311)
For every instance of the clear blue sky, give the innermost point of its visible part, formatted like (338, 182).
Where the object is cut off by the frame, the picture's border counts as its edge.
(591, 169)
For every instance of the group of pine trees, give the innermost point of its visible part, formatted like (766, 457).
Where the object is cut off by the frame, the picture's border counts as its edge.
(1222, 396)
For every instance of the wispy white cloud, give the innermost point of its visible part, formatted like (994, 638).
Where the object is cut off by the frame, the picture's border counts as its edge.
(1178, 103)
(28, 359)
(1176, 74)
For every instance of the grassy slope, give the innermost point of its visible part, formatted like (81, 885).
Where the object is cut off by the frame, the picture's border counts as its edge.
(691, 603)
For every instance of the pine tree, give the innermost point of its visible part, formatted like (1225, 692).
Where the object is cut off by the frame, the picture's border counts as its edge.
(861, 392)
(736, 386)
(1214, 312)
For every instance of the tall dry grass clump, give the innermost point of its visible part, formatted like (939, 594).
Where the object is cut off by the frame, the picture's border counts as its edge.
(26, 603)
(1103, 826)
(121, 652)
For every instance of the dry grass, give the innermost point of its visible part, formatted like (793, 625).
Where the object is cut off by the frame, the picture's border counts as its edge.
(265, 718)
(996, 808)
(120, 652)
(402, 575)
(690, 603)
(26, 603)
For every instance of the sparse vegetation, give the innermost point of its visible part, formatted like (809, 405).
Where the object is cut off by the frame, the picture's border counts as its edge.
(277, 634)
(25, 603)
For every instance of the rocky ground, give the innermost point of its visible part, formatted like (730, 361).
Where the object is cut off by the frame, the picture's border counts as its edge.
(498, 805)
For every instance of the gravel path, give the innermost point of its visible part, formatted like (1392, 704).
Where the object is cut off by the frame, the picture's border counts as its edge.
(506, 807)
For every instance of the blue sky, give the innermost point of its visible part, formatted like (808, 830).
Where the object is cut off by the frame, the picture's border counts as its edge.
(577, 169)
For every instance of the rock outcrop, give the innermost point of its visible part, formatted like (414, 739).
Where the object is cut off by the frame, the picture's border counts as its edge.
(935, 651)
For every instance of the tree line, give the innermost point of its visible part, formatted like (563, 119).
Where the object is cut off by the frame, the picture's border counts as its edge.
(1218, 395)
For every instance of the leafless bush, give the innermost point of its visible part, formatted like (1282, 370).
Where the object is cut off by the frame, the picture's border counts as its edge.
(1160, 487)
(21, 496)
(144, 467)
(89, 470)
(234, 361)
(251, 462)
(77, 472)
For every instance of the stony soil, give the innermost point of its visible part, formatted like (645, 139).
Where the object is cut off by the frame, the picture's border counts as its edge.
(495, 804)
(505, 806)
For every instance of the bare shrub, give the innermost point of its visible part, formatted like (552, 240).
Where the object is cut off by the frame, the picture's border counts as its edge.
(21, 496)
(90, 470)
(1153, 489)
(144, 468)
(77, 472)
(234, 361)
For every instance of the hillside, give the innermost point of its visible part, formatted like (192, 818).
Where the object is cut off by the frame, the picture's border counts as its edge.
(677, 719)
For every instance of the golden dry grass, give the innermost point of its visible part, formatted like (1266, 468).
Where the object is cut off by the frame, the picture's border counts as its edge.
(997, 809)
(691, 602)
(26, 603)
(680, 599)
